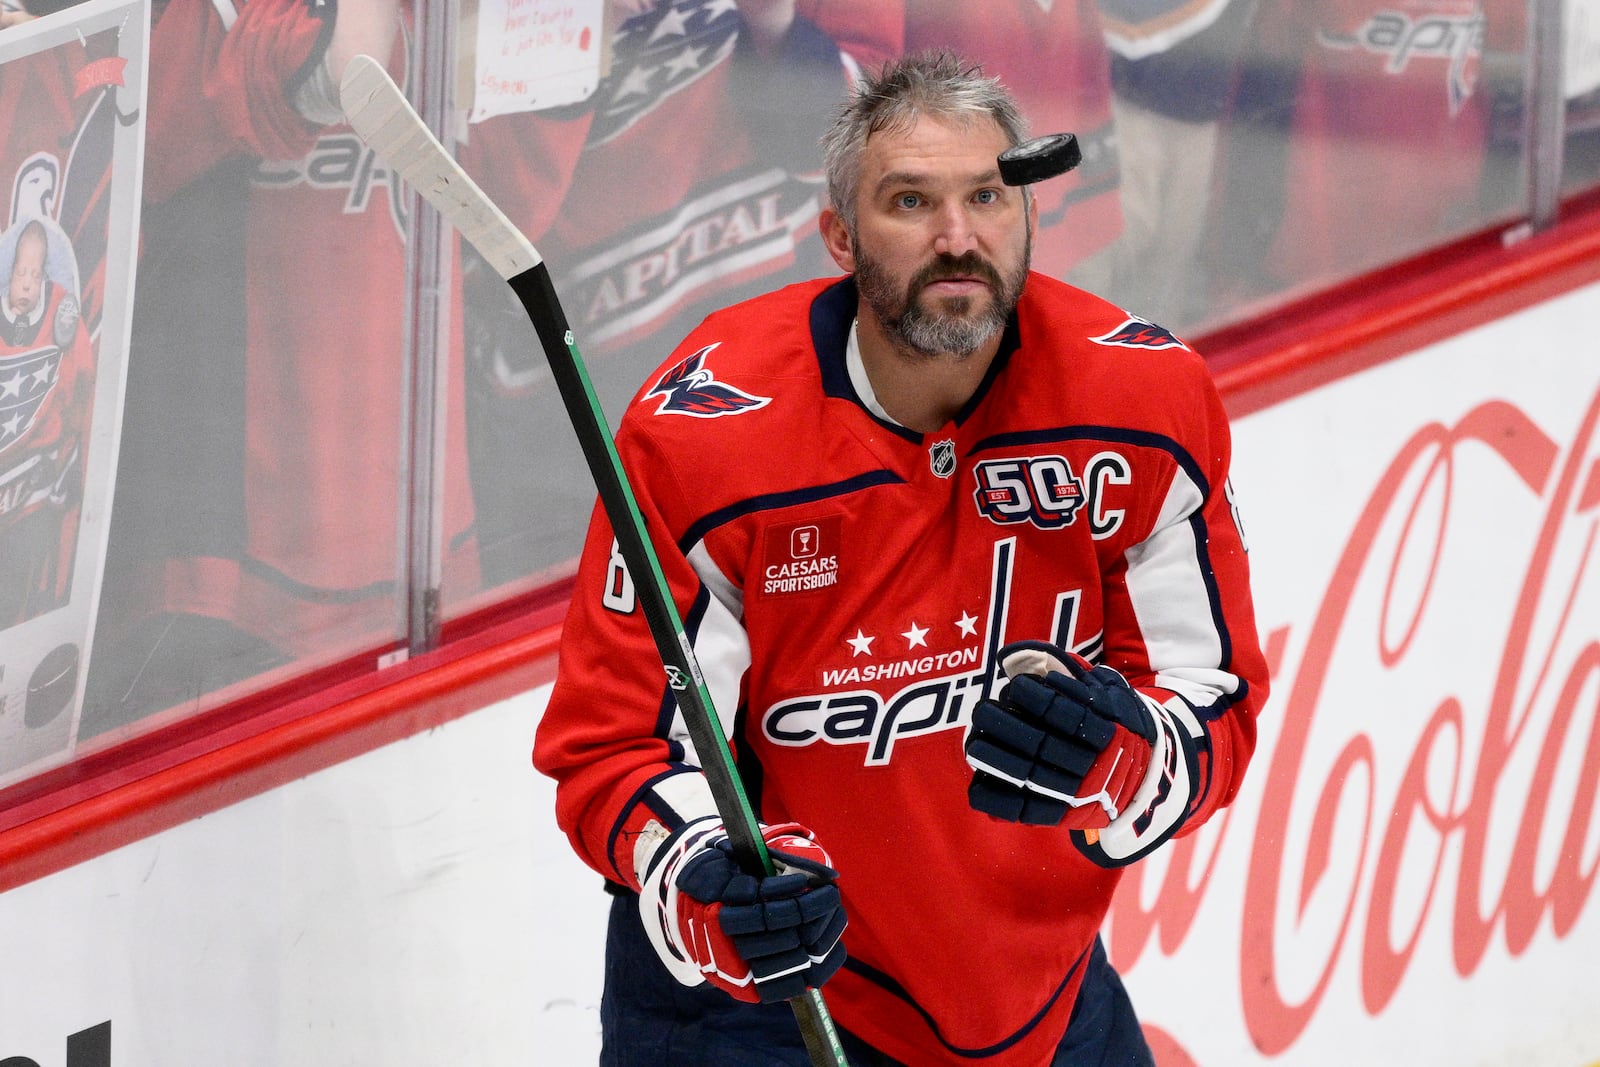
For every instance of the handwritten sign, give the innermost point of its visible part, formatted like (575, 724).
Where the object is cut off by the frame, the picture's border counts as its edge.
(535, 54)
(1581, 37)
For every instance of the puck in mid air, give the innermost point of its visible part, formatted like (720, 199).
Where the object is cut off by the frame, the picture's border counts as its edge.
(1039, 158)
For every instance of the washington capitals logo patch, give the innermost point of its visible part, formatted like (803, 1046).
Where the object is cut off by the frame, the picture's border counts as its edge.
(1137, 333)
(690, 389)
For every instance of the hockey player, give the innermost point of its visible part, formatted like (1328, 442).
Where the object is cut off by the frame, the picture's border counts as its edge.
(956, 550)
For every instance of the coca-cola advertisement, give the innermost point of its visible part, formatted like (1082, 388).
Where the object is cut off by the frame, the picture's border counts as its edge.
(72, 90)
(1409, 873)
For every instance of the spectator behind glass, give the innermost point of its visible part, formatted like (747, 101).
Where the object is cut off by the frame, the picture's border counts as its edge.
(697, 182)
(1171, 78)
(1358, 135)
(257, 524)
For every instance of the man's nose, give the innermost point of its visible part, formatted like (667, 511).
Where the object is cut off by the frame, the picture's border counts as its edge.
(955, 236)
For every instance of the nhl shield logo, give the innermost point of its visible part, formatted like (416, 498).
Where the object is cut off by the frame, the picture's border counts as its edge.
(942, 458)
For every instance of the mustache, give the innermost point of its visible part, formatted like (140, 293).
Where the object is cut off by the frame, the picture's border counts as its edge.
(966, 265)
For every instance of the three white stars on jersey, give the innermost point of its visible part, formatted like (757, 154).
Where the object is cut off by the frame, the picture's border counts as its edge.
(916, 636)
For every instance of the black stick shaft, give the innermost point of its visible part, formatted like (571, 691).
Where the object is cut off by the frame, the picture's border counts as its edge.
(380, 113)
(538, 297)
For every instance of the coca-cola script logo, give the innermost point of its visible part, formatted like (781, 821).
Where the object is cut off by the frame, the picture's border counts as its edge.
(1483, 828)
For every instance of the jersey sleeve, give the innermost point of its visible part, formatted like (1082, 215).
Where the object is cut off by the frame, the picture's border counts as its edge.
(612, 735)
(267, 55)
(1181, 627)
(227, 83)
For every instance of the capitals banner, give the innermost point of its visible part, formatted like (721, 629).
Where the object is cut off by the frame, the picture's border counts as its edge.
(72, 93)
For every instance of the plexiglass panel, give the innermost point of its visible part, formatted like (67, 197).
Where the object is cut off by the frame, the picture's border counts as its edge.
(257, 486)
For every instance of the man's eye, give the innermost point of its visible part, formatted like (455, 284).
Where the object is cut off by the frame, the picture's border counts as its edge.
(987, 196)
(907, 200)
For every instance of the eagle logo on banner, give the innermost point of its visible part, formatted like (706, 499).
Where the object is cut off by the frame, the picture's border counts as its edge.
(690, 389)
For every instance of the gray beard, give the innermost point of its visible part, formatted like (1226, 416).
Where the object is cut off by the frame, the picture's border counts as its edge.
(934, 333)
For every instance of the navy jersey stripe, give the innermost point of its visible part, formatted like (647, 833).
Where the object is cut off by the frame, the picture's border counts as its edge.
(889, 985)
(1117, 434)
(645, 794)
(698, 530)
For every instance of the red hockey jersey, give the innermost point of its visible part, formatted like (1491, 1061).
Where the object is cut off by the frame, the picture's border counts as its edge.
(847, 583)
(325, 264)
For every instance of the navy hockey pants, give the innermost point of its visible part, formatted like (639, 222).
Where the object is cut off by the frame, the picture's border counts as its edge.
(648, 1020)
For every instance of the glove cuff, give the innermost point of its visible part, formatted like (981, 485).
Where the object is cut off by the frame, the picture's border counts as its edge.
(1164, 800)
(675, 801)
(658, 896)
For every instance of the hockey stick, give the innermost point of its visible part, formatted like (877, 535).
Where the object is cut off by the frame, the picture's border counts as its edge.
(379, 112)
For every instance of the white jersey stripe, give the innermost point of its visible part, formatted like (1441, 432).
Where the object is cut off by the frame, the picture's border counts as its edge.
(1168, 590)
(721, 647)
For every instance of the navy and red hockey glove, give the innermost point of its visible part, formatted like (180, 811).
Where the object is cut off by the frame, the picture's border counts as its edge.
(757, 938)
(1066, 743)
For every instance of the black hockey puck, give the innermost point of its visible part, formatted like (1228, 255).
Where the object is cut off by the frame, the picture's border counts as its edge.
(1039, 158)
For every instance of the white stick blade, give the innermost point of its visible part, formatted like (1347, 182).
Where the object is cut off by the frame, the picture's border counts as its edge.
(379, 112)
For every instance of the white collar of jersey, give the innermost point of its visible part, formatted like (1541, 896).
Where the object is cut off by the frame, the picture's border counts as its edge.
(32, 318)
(858, 375)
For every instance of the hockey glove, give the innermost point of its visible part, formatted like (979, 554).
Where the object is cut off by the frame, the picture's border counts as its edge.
(1065, 744)
(757, 938)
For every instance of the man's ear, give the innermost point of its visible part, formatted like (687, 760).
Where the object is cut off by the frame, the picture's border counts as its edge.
(836, 236)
